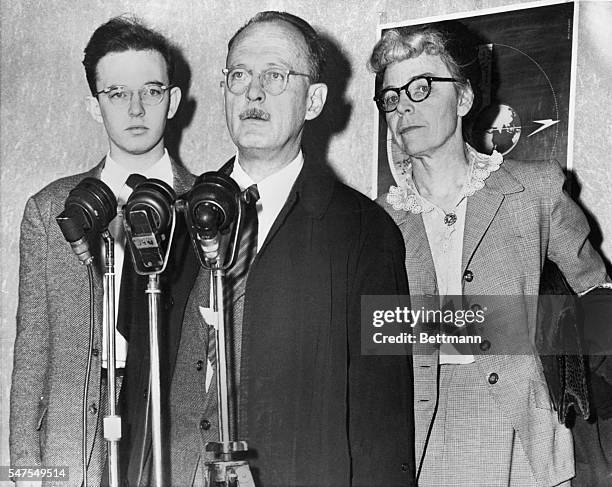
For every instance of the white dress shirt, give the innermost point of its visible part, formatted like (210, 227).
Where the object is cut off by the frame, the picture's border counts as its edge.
(115, 176)
(273, 192)
(446, 241)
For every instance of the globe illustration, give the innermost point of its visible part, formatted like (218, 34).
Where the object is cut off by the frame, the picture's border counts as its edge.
(497, 127)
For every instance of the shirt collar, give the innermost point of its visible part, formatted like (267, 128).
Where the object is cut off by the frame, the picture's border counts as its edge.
(115, 175)
(274, 187)
(406, 196)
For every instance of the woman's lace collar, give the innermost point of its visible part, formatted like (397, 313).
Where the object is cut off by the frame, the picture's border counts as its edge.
(406, 197)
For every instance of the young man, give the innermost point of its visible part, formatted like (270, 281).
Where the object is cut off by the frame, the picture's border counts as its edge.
(314, 411)
(129, 69)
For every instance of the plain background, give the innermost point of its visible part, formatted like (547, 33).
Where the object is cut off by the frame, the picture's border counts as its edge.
(45, 132)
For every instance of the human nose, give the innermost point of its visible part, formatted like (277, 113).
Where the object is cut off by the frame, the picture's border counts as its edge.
(136, 107)
(255, 89)
(405, 104)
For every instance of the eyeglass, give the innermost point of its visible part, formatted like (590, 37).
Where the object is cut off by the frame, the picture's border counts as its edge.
(272, 80)
(150, 94)
(417, 89)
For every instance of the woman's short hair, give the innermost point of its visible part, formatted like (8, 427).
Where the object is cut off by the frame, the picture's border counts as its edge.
(451, 40)
(455, 45)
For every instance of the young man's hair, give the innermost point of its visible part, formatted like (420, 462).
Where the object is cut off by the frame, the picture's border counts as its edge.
(316, 50)
(121, 34)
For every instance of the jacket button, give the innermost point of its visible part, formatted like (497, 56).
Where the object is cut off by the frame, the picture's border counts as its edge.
(204, 425)
(485, 345)
(93, 409)
(95, 352)
(468, 275)
(493, 378)
(405, 467)
(199, 364)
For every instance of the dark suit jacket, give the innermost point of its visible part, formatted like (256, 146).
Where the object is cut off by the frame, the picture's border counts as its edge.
(52, 340)
(314, 410)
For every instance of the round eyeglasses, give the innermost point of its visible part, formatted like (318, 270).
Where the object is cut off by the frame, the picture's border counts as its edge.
(272, 80)
(150, 94)
(417, 89)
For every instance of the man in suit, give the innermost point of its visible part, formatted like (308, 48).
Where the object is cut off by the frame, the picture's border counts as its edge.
(129, 69)
(314, 410)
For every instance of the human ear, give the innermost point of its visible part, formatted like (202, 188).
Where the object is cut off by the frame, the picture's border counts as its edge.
(466, 99)
(175, 100)
(317, 94)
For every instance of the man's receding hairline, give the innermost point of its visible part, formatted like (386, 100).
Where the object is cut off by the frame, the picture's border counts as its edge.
(281, 23)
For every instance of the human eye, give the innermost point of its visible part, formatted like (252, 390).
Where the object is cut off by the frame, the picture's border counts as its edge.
(153, 91)
(275, 75)
(274, 79)
(238, 74)
(390, 99)
(419, 88)
(117, 93)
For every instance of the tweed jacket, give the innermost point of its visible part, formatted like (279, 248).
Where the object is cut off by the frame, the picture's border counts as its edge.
(314, 410)
(52, 340)
(521, 217)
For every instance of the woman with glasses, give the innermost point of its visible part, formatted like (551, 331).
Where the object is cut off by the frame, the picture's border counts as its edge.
(476, 226)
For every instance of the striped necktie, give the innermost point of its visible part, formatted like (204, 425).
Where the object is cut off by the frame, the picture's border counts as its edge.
(247, 249)
(235, 278)
(235, 281)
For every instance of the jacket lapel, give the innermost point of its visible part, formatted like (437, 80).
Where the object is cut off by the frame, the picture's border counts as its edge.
(183, 179)
(482, 207)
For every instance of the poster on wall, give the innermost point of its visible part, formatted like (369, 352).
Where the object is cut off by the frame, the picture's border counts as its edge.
(525, 57)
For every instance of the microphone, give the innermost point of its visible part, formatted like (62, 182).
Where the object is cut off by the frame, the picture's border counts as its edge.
(211, 207)
(89, 208)
(148, 215)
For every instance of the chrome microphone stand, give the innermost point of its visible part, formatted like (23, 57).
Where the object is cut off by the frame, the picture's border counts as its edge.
(224, 472)
(154, 293)
(88, 210)
(146, 241)
(112, 421)
(209, 212)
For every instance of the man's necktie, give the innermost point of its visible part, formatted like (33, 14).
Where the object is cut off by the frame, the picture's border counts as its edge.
(132, 299)
(247, 250)
(235, 282)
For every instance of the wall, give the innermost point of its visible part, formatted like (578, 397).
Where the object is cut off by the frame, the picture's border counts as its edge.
(45, 132)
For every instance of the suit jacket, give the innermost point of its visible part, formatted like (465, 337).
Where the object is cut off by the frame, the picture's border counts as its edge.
(314, 410)
(51, 345)
(521, 217)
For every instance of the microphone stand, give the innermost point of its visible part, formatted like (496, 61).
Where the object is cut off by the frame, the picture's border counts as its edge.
(153, 292)
(90, 207)
(224, 471)
(112, 422)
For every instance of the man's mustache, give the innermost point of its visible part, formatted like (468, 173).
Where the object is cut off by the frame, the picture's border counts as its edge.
(256, 113)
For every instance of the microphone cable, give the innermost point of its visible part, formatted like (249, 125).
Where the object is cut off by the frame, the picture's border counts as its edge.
(87, 375)
(89, 208)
